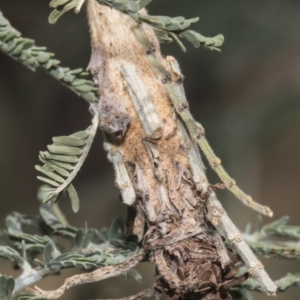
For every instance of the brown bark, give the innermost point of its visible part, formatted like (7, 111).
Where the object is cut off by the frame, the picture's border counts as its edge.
(153, 145)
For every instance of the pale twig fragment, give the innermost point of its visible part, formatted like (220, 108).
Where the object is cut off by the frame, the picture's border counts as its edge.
(198, 169)
(139, 223)
(97, 275)
(177, 235)
(197, 134)
(230, 184)
(223, 221)
(165, 271)
(222, 251)
(142, 189)
(154, 155)
(123, 181)
(142, 102)
(219, 218)
(79, 6)
(165, 204)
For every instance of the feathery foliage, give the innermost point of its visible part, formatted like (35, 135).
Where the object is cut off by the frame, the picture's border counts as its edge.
(25, 51)
(63, 161)
(166, 28)
(91, 249)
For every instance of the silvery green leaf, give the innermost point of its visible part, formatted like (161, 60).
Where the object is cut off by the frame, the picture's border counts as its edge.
(43, 57)
(78, 71)
(18, 49)
(153, 21)
(174, 26)
(56, 3)
(161, 19)
(39, 263)
(89, 234)
(69, 141)
(11, 254)
(65, 150)
(58, 162)
(62, 158)
(50, 174)
(62, 257)
(56, 14)
(79, 238)
(144, 3)
(57, 73)
(11, 45)
(162, 35)
(68, 77)
(191, 37)
(74, 198)
(120, 6)
(27, 297)
(78, 82)
(197, 39)
(178, 19)
(61, 164)
(133, 6)
(135, 274)
(10, 284)
(175, 37)
(47, 253)
(7, 284)
(47, 180)
(50, 165)
(51, 219)
(218, 40)
(84, 88)
(89, 96)
(81, 134)
(116, 229)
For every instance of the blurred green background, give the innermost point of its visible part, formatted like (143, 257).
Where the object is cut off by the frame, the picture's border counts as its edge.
(247, 97)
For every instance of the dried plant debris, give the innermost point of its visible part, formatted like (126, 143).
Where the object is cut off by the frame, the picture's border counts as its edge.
(63, 161)
(191, 269)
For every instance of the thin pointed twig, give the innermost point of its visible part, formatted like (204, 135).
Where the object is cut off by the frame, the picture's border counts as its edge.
(219, 218)
(142, 102)
(196, 131)
(123, 181)
(79, 6)
(97, 275)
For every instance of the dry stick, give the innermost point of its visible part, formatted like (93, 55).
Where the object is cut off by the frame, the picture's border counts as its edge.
(142, 102)
(97, 275)
(197, 134)
(217, 214)
(219, 218)
(123, 181)
(196, 131)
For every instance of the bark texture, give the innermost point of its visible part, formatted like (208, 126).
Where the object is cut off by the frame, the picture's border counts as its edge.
(157, 165)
